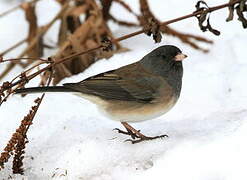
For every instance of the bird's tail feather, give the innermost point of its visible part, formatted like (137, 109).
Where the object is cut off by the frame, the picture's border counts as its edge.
(43, 89)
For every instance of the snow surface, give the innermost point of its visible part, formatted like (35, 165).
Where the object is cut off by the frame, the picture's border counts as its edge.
(207, 128)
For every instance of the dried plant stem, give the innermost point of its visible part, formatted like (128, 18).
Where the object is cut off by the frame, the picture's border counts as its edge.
(28, 70)
(13, 47)
(125, 37)
(7, 70)
(42, 32)
(124, 23)
(15, 8)
(181, 18)
(19, 59)
(17, 143)
(186, 38)
(11, 65)
(21, 84)
(18, 136)
(9, 11)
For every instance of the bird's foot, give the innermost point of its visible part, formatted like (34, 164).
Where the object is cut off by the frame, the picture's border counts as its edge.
(145, 138)
(128, 132)
(136, 135)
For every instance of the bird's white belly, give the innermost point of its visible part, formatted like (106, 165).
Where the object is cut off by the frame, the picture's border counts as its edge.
(130, 111)
(137, 112)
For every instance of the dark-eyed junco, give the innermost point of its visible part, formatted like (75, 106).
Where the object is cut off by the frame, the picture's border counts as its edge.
(136, 92)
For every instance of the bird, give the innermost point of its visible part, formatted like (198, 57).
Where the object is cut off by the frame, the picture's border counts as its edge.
(136, 92)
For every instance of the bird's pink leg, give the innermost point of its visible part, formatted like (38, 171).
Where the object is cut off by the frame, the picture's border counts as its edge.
(136, 134)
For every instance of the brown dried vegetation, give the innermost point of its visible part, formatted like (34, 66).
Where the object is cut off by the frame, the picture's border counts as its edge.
(81, 43)
(17, 143)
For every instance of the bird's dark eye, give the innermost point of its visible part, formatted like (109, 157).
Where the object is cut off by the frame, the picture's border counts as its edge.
(164, 56)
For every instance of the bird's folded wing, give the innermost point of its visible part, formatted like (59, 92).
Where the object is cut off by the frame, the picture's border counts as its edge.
(117, 86)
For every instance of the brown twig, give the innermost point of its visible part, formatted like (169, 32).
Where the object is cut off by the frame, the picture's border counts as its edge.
(17, 143)
(106, 5)
(180, 18)
(9, 11)
(28, 70)
(18, 140)
(13, 47)
(7, 70)
(19, 59)
(107, 15)
(126, 6)
(123, 38)
(15, 8)
(186, 38)
(42, 32)
(124, 23)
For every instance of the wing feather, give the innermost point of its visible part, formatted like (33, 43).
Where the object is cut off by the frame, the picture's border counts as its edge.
(115, 85)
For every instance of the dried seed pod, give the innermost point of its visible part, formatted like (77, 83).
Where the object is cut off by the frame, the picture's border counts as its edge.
(107, 44)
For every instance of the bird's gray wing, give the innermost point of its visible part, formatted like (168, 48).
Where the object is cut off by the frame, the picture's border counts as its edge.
(126, 84)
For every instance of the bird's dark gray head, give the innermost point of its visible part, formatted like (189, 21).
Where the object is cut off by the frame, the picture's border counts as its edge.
(166, 61)
(168, 53)
(163, 59)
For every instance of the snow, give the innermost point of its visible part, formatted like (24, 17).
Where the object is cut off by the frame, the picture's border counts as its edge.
(70, 139)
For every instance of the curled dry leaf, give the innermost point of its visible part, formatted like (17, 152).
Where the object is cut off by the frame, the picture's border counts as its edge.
(212, 30)
(147, 15)
(204, 16)
(150, 24)
(153, 28)
(241, 8)
(231, 12)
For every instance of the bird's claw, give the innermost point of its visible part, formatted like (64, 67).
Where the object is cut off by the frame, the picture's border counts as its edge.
(136, 135)
(130, 133)
(145, 138)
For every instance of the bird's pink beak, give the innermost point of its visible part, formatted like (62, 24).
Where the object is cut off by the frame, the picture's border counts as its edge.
(180, 57)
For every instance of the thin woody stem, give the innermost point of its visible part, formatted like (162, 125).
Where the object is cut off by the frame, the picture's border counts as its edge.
(126, 37)
(42, 32)
(13, 47)
(15, 8)
(180, 18)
